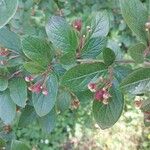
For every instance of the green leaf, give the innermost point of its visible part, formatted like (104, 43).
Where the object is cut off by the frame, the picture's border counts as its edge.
(93, 47)
(18, 145)
(44, 104)
(68, 59)
(48, 122)
(107, 115)
(121, 72)
(33, 67)
(63, 100)
(137, 52)
(100, 24)
(10, 40)
(108, 56)
(28, 115)
(37, 50)
(79, 76)
(61, 34)
(7, 11)
(137, 82)
(135, 15)
(3, 83)
(18, 91)
(7, 107)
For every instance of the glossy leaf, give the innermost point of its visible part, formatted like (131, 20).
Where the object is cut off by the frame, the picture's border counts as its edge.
(79, 76)
(61, 34)
(137, 52)
(7, 107)
(100, 24)
(7, 11)
(93, 47)
(44, 104)
(18, 91)
(63, 100)
(37, 50)
(10, 40)
(3, 83)
(108, 56)
(135, 15)
(107, 115)
(137, 82)
(33, 67)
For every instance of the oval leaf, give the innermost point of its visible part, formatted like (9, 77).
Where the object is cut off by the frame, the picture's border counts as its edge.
(137, 52)
(135, 15)
(7, 107)
(44, 104)
(108, 56)
(93, 47)
(79, 76)
(137, 82)
(61, 34)
(100, 24)
(107, 115)
(3, 83)
(7, 11)
(18, 91)
(37, 50)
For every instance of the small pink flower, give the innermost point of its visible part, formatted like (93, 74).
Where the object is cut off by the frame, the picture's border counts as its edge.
(77, 24)
(36, 88)
(99, 95)
(102, 95)
(92, 87)
(29, 78)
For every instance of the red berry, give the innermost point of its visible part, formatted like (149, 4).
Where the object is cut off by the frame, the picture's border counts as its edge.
(77, 24)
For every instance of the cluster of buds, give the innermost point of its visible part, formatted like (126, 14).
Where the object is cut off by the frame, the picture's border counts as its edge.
(100, 94)
(77, 24)
(37, 87)
(4, 52)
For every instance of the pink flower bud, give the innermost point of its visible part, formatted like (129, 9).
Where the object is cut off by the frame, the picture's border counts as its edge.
(45, 92)
(92, 87)
(77, 24)
(138, 103)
